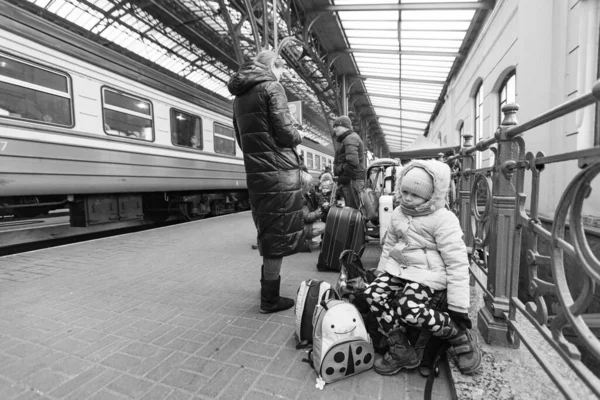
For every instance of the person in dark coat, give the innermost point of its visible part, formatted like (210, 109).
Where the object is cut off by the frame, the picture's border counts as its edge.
(349, 161)
(265, 132)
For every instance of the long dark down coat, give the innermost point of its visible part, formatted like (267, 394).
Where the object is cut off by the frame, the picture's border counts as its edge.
(264, 131)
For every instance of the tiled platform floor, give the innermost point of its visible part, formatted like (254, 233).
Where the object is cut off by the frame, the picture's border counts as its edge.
(163, 314)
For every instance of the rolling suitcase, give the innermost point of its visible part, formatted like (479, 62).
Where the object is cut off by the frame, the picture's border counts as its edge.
(344, 230)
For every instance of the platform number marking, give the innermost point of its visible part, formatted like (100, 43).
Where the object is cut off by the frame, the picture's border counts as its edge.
(3, 145)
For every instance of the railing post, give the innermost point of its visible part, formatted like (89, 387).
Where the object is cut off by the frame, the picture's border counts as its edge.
(491, 321)
(465, 192)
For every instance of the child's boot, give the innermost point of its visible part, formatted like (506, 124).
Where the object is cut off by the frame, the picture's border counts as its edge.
(465, 347)
(400, 355)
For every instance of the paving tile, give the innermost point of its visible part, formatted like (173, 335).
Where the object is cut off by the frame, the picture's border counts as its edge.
(121, 362)
(70, 345)
(278, 386)
(238, 386)
(146, 325)
(247, 360)
(169, 336)
(168, 365)
(71, 366)
(157, 392)
(23, 349)
(130, 386)
(148, 364)
(185, 346)
(45, 380)
(179, 395)
(201, 366)
(184, 380)
(77, 382)
(106, 395)
(221, 348)
(139, 349)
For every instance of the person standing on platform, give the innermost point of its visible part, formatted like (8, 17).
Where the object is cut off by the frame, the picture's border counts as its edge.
(265, 132)
(349, 161)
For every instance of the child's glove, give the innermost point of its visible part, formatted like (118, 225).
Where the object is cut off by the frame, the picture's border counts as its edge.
(461, 319)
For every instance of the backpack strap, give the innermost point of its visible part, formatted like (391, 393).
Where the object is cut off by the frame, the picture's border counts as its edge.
(299, 310)
(434, 371)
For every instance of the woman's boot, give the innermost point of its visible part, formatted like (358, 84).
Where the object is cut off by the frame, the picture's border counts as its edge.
(270, 301)
(400, 355)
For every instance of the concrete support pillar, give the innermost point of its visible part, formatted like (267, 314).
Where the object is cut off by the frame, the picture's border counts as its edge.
(504, 240)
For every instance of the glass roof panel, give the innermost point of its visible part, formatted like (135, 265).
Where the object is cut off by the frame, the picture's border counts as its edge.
(438, 15)
(422, 76)
(422, 25)
(370, 18)
(438, 34)
(373, 34)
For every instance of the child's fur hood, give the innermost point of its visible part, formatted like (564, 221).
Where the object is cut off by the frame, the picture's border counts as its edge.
(440, 173)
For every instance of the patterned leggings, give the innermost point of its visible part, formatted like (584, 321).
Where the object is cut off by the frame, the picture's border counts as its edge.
(397, 303)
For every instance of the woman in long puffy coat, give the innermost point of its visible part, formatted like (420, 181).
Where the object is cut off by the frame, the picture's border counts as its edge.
(265, 132)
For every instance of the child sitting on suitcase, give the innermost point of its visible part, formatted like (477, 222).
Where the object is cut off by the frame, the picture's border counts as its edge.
(423, 252)
(311, 212)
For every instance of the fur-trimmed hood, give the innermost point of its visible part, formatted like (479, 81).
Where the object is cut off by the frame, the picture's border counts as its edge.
(440, 173)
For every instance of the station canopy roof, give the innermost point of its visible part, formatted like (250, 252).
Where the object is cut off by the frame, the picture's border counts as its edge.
(400, 52)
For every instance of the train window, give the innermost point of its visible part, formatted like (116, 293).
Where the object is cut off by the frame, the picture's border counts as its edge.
(186, 130)
(34, 93)
(317, 162)
(309, 160)
(126, 115)
(224, 139)
(330, 163)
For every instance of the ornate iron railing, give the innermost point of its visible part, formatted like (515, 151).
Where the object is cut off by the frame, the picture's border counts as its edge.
(491, 205)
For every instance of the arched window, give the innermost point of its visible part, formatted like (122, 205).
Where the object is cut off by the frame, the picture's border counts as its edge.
(478, 113)
(508, 92)
(478, 121)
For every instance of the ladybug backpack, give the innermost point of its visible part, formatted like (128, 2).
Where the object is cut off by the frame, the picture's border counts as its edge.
(341, 345)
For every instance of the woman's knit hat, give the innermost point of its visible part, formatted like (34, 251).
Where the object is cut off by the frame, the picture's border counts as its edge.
(343, 121)
(419, 182)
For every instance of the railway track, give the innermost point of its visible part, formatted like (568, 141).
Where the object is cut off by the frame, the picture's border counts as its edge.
(18, 235)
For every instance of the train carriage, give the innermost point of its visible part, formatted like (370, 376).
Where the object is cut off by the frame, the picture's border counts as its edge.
(85, 126)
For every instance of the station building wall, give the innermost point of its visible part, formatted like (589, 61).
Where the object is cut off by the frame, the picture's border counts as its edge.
(552, 47)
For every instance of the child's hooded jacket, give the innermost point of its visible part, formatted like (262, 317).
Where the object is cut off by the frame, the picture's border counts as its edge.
(429, 248)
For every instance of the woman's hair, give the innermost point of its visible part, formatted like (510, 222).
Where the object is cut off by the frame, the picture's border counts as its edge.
(265, 58)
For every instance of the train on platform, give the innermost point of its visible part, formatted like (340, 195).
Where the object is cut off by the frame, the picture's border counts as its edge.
(86, 127)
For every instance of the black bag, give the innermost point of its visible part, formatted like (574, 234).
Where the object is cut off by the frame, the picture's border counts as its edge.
(354, 278)
(351, 284)
(344, 230)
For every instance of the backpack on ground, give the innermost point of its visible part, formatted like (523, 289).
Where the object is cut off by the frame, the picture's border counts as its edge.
(310, 293)
(341, 345)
